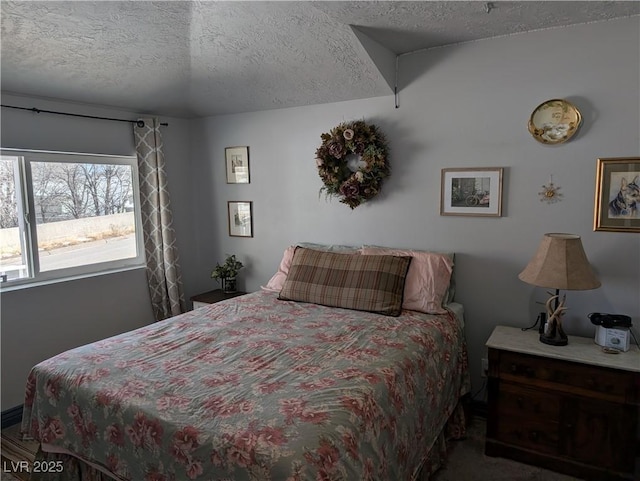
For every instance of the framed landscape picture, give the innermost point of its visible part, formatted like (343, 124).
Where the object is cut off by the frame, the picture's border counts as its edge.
(617, 203)
(471, 192)
(237, 162)
(240, 218)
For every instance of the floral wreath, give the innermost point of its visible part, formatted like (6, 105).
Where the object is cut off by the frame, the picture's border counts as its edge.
(352, 162)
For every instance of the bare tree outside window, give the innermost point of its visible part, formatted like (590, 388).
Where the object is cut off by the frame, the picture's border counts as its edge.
(83, 212)
(8, 208)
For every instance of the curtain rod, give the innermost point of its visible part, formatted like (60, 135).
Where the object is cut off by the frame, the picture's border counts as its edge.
(139, 123)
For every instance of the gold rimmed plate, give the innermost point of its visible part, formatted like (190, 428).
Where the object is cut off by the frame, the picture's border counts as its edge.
(554, 121)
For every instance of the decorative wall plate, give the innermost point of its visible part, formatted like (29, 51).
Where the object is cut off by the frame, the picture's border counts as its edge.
(554, 121)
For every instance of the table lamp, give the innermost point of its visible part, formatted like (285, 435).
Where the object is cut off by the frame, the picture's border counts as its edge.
(559, 263)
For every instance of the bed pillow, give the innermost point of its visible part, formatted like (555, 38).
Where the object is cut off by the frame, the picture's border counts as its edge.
(449, 296)
(276, 282)
(427, 280)
(338, 248)
(364, 283)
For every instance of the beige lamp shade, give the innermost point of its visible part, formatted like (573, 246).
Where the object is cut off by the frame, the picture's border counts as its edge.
(560, 263)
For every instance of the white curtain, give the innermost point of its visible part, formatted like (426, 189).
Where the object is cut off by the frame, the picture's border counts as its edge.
(163, 269)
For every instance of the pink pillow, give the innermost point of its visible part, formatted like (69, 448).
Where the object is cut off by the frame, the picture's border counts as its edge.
(427, 280)
(276, 282)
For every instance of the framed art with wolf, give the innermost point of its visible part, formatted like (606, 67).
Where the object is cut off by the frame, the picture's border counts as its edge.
(617, 204)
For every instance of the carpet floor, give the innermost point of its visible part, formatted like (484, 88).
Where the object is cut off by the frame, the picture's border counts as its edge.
(467, 461)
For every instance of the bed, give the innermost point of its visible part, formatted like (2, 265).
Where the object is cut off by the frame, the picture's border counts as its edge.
(257, 387)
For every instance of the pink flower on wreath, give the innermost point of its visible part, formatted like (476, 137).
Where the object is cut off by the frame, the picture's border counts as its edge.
(348, 134)
(350, 189)
(336, 149)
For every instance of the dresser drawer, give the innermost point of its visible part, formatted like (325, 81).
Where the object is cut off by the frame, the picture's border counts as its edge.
(528, 418)
(570, 409)
(568, 377)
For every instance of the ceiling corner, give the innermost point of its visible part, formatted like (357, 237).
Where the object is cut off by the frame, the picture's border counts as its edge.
(383, 58)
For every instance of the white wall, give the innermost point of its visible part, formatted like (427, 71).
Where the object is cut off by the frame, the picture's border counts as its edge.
(39, 322)
(461, 106)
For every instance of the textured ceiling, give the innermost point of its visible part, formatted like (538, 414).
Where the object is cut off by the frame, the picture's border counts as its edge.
(199, 58)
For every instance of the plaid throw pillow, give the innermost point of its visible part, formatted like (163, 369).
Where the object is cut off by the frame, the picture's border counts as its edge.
(428, 278)
(363, 283)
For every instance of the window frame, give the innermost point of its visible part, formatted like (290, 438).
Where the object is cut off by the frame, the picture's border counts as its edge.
(27, 216)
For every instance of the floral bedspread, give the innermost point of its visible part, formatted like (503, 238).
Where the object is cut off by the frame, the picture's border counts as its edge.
(255, 388)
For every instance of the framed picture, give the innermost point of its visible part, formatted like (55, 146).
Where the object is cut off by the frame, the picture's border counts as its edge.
(617, 206)
(240, 218)
(237, 159)
(473, 192)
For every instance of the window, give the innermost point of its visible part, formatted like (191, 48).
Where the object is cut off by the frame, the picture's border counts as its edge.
(67, 214)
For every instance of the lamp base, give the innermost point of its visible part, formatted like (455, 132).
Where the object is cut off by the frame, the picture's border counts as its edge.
(554, 341)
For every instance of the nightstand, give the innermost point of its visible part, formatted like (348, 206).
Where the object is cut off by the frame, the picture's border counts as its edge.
(212, 297)
(572, 409)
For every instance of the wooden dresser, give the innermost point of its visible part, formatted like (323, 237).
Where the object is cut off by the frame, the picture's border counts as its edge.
(571, 409)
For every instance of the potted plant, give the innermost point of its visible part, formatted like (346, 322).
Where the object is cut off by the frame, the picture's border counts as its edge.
(226, 273)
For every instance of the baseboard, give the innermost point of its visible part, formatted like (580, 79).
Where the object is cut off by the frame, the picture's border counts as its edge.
(12, 416)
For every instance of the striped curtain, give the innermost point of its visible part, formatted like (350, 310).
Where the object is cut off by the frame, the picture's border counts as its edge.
(163, 269)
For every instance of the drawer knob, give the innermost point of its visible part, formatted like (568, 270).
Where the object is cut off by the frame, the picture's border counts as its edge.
(534, 435)
(514, 368)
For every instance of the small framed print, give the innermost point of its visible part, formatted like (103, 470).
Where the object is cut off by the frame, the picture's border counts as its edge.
(237, 160)
(240, 218)
(617, 205)
(471, 192)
